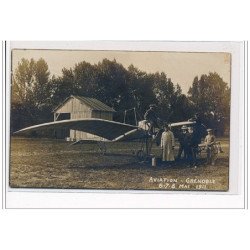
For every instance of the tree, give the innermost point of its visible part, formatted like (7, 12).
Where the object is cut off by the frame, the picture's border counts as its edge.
(140, 86)
(31, 93)
(112, 83)
(164, 91)
(23, 80)
(41, 89)
(173, 105)
(35, 94)
(210, 96)
(123, 89)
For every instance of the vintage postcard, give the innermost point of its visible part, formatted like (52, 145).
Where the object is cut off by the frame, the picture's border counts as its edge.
(120, 119)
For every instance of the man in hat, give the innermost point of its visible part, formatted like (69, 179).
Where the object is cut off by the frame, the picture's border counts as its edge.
(191, 147)
(151, 118)
(209, 142)
(167, 145)
(183, 143)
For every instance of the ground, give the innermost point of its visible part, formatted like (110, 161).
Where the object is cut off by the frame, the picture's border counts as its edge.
(50, 163)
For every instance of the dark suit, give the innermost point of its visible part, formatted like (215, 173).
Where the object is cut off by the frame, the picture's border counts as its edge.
(192, 148)
(183, 146)
(151, 117)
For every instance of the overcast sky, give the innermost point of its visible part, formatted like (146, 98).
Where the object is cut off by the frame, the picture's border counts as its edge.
(181, 67)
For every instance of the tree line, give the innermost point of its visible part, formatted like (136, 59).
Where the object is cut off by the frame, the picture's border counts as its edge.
(35, 92)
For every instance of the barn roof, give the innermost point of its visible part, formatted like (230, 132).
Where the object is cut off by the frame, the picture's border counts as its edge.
(91, 102)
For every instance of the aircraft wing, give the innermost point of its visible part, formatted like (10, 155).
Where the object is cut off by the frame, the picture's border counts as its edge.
(142, 131)
(176, 124)
(110, 130)
(107, 129)
(134, 134)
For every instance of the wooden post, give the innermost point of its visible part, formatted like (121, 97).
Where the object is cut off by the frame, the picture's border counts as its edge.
(125, 113)
(136, 122)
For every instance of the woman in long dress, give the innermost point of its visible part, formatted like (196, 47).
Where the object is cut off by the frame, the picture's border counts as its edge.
(167, 145)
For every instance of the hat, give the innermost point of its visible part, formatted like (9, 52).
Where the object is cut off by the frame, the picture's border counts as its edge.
(184, 127)
(152, 105)
(209, 129)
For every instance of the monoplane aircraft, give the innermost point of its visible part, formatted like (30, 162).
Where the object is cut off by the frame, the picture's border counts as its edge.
(110, 131)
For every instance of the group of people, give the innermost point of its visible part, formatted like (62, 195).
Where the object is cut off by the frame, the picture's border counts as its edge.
(188, 146)
(189, 139)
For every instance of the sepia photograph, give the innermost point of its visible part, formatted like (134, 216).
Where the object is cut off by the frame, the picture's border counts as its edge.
(120, 120)
(124, 124)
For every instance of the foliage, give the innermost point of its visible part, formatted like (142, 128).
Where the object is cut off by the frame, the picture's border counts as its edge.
(31, 93)
(210, 96)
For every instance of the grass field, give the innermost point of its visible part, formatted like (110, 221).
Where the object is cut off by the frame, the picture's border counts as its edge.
(47, 163)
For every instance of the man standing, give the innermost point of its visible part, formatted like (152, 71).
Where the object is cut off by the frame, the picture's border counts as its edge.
(192, 147)
(167, 145)
(151, 118)
(209, 141)
(183, 141)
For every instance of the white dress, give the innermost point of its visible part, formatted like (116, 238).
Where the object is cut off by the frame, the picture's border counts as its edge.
(167, 144)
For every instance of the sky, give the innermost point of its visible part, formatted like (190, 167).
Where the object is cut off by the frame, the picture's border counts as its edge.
(181, 67)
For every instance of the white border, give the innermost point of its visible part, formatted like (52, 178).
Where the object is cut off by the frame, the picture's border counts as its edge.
(234, 198)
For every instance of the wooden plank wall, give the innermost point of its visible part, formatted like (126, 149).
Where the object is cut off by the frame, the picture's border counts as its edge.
(102, 115)
(80, 110)
(73, 105)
